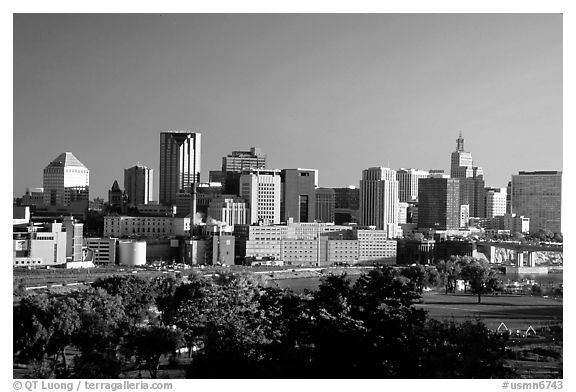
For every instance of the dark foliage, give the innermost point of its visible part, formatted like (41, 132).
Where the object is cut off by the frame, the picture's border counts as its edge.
(235, 328)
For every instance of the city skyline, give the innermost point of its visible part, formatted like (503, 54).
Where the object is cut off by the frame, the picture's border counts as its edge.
(336, 93)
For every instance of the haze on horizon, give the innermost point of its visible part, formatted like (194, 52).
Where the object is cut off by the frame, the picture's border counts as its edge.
(334, 92)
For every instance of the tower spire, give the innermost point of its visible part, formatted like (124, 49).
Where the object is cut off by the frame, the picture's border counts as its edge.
(460, 142)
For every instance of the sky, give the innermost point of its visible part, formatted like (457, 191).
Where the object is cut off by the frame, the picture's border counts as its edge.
(333, 92)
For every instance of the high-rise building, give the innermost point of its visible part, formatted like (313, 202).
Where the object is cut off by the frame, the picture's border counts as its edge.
(298, 200)
(346, 205)
(461, 161)
(325, 202)
(439, 203)
(408, 183)
(261, 189)
(379, 199)
(66, 180)
(471, 179)
(538, 195)
(239, 161)
(138, 184)
(495, 202)
(180, 153)
(472, 194)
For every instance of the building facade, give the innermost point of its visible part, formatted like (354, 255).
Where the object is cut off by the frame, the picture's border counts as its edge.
(139, 184)
(298, 199)
(325, 205)
(346, 205)
(261, 189)
(145, 226)
(103, 249)
(39, 246)
(66, 180)
(495, 202)
(239, 161)
(180, 153)
(538, 195)
(74, 239)
(379, 199)
(408, 183)
(460, 161)
(439, 203)
(229, 209)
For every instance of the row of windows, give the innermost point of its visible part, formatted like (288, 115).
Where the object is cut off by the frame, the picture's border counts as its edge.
(27, 262)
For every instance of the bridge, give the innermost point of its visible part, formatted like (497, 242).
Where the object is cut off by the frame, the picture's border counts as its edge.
(522, 250)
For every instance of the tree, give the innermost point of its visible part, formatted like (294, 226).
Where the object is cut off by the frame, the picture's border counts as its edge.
(449, 272)
(149, 344)
(137, 293)
(164, 289)
(480, 277)
(417, 275)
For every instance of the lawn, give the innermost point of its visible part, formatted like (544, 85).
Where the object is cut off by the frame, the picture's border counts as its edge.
(516, 311)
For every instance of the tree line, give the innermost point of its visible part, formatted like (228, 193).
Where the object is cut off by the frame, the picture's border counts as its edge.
(233, 327)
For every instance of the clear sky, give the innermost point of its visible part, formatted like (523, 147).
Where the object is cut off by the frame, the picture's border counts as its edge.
(334, 92)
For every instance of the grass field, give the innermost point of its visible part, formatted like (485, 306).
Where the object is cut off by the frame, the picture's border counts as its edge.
(517, 312)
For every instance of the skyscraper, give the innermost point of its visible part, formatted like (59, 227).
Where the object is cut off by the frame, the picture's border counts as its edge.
(408, 183)
(538, 195)
(261, 189)
(66, 180)
(495, 202)
(180, 153)
(379, 199)
(325, 202)
(138, 184)
(298, 199)
(460, 160)
(471, 179)
(346, 204)
(439, 203)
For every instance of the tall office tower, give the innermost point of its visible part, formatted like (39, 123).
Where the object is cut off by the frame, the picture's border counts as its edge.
(346, 205)
(461, 161)
(261, 189)
(239, 161)
(439, 203)
(298, 194)
(180, 153)
(229, 209)
(537, 195)
(408, 183)
(472, 193)
(471, 179)
(379, 199)
(138, 184)
(325, 205)
(66, 180)
(495, 202)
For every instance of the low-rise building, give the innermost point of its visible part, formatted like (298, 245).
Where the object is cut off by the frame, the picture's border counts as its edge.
(103, 249)
(145, 226)
(39, 246)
